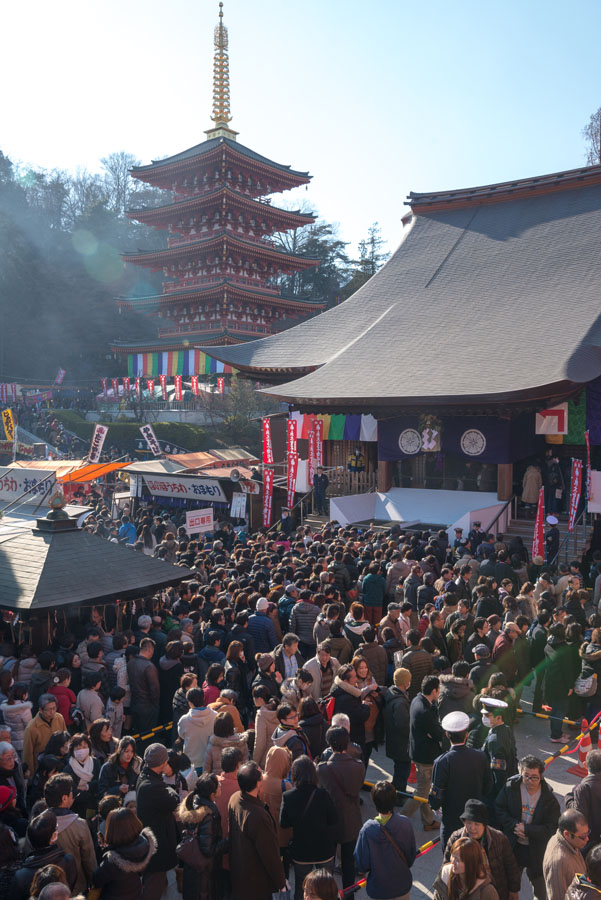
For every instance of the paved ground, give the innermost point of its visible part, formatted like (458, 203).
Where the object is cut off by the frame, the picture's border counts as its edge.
(532, 737)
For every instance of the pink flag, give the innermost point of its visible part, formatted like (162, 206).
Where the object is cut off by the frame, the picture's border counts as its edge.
(267, 496)
(575, 492)
(538, 542)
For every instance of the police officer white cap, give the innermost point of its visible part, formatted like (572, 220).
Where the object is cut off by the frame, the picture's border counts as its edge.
(456, 722)
(492, 703)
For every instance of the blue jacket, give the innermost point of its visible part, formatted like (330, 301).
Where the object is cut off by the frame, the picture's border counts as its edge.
(262, 632)
(128, 531)
(388, 876)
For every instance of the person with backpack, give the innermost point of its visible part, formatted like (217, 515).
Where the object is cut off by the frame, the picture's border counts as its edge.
(386, 847)
(288, 734)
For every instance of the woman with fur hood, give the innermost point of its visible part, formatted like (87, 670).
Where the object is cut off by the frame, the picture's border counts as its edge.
(17, 714)
(266, 721)
(223, 736)
(129, 849)
(199, 815)
(590, 655)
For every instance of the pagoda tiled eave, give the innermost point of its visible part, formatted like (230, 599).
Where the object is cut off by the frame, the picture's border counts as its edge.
(165, 173)
(221, 240)
(215, 290)
(162, 216)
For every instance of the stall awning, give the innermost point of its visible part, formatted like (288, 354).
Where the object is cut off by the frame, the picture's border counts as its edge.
(91, 472)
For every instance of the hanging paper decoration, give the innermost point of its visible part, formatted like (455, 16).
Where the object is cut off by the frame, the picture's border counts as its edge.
(163, 381)
(178, 387)
(575, 492)
(267, 496)
(267, 445)
(194, 383)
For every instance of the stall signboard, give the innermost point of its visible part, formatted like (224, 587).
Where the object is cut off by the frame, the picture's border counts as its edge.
(199, 521)
(34, 483)
(238, 507)
(187, 487)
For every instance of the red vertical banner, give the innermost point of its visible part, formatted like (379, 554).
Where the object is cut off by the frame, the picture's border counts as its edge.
(177, 379)
(115, 387)
(13, 388)
(163, 382)
(312, 455)
(139, 388)
(221, 386)
(194, 382)
(103, 381)
(588, 465)
(150, 386)
(318, 429)
(575, 492)
(292, 435)
(267, 445)
(126, 388)
(291, 484)
(267, 496)
(538, 541)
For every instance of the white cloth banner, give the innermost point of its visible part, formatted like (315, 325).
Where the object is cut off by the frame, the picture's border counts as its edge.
(190, 487)
(100, 432)
(15, 482)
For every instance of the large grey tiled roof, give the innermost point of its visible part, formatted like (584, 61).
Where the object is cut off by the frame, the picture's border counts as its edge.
(39, 570)
(488, 299)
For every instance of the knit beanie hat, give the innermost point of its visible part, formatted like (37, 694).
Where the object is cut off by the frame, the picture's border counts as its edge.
(155, 756)
(7, 794)
(402, 678)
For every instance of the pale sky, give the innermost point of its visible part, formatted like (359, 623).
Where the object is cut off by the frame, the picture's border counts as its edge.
(374, 100)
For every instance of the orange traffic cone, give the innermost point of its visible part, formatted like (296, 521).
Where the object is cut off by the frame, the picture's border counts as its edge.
(412, 775)
(583, 748)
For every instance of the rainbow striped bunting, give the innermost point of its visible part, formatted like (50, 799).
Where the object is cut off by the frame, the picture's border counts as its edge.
(175, 362)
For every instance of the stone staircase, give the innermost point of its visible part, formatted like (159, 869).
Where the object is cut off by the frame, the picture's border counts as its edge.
(572, 549)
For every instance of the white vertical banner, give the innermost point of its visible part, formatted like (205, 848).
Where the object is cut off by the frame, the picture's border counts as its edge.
(100, 433)
(151, 440)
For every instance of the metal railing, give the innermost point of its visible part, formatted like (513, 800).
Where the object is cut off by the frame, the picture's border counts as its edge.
(565, 543)
(510, 502)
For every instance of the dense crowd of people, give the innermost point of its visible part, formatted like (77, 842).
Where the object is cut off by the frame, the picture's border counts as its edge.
(223, 729)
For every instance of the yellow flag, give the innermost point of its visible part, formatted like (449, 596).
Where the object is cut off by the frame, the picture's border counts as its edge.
(9, 425)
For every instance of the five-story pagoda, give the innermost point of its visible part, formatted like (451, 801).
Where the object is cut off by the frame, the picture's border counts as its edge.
(221, 265)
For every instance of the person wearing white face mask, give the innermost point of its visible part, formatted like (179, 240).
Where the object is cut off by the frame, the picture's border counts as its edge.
(499, 745)
(85, 771)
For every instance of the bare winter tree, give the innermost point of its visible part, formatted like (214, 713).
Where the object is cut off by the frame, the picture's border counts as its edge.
(119, 185)
(592, 135)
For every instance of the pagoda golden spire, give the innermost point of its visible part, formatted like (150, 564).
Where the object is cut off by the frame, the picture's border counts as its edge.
(221, 83)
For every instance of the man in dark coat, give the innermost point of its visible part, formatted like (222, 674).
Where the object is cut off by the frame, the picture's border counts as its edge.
(342, 777)
(504, 871)
(320, 486)
(419, 662)
(156, 802)
(396, 724)
(586, 798)
(499, 744)
(537, 636)
(528, 829)
(255, 864)
(459, 775)
(425, 744)
(503, 654)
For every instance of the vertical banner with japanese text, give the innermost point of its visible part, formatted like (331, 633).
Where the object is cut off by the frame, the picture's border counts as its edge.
(312, 454)
(221, 386)
(9, 424)
(100, 432)
(139, 387)
(177, 380)
(538, 540)
(292, 435)
(267, 496)
(104, 388)
(318, 428)
(151, 440)
(115, 387)
(291, 484)
(588, 465)
(60, 376)
(150, 387)
(575, 492)
(13, 389)
(163, 382)
(194, 384)
(126, 388)
(267, 445)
